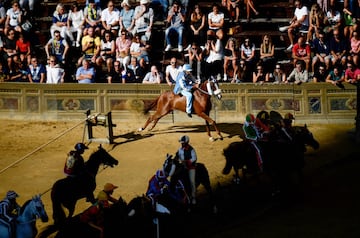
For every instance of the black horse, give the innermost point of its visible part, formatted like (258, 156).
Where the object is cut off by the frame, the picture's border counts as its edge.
(177, 171)
(114, 220)
(280, 159)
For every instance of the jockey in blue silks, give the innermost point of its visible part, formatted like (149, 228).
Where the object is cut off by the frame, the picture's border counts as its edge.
(184, 85)
(9, 210)
(158, 184)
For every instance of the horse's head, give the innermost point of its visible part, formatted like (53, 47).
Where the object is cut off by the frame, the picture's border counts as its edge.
(169, 165)
(305, 136)
(140, 206)
(104, 157)
(211, 86)
(233, 155)
(37, 208)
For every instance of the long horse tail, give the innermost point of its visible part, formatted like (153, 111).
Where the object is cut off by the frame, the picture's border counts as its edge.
(48, 230)
(59, 215)
(151, 106)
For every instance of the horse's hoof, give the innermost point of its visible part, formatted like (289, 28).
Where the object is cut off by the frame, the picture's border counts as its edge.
(211, 139)
(140, 129)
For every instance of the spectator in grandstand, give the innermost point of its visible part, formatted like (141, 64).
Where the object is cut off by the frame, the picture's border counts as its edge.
(4, 74)
(299, 74)
(230, 57)
(153, 77)
(278, 75)
(29, 5)
(144, 17)
(116, 73)
(122, 47)
(13, 18)
(59, 21)
(2, 17)
(171, 71)
(23, 49)
(54, 73)
(355, 48)
(321, 52)
(36, 72)
(216, 22)
(90, 45)
(85, 73)
(9, 48)
(18, 74)
(349, 21)
(334, 19)
(267, 53)
(320, 74)
(139, 49)
(317, 20)
(233, 7)
(338, 48)
(92, 14)
(110, 19)
(336, 76)
(107, 50)
(243, 74)
(259, 76)
(75, 24)
(301, 51)
(126, 16)
(352, 73)
(247, 53)
(250, 7)
(300, 22)
(58, 47)
(197, 26)
(196, 59)
(176, 19)
(213, 57)
(137, 71)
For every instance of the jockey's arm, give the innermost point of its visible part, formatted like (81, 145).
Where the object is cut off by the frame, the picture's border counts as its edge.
(4, 212)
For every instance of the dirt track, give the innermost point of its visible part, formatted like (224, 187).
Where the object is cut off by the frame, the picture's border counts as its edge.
(326, 207)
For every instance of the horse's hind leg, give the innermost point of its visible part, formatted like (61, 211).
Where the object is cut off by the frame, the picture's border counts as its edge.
(146, 123)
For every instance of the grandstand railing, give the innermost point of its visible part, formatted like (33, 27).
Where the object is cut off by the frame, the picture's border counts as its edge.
(309, 102)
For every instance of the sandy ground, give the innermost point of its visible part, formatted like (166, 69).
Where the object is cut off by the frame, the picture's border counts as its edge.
(139, 155)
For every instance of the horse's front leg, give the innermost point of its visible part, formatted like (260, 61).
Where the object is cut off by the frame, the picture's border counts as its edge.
(208, 121)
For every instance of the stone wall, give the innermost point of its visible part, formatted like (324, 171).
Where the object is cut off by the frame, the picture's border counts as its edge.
(311, 102)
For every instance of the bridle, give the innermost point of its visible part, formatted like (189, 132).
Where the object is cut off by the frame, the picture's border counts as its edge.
(210, 91)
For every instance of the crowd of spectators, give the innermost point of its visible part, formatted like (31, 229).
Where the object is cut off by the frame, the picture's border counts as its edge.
(115, 44)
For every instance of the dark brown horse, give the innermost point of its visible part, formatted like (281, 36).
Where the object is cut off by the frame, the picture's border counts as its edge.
(168, 101)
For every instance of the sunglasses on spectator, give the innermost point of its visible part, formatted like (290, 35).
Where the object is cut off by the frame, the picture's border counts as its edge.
(173, 62)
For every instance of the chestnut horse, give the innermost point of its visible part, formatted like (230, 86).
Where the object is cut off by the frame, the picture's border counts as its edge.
(168, 101)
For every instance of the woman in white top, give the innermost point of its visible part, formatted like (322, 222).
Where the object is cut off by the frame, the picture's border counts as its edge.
(216, 22)
(13, 18)
(75, 23)
(54, 73)
(143, 19)
(110, 19)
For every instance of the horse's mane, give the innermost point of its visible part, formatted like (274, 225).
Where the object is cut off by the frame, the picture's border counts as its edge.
(23, 206)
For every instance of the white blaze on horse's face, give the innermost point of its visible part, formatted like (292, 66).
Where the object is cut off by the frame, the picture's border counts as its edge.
(216, 92)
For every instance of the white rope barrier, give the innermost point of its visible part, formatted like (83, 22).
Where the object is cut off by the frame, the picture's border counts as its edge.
(40, 147)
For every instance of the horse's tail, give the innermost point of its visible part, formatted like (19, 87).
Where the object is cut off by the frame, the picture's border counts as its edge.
(59, 215)
(150, 106)
(48, 230)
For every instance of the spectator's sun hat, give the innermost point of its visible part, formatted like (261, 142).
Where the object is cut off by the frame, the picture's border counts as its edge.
(109, 187)
(125, 2)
